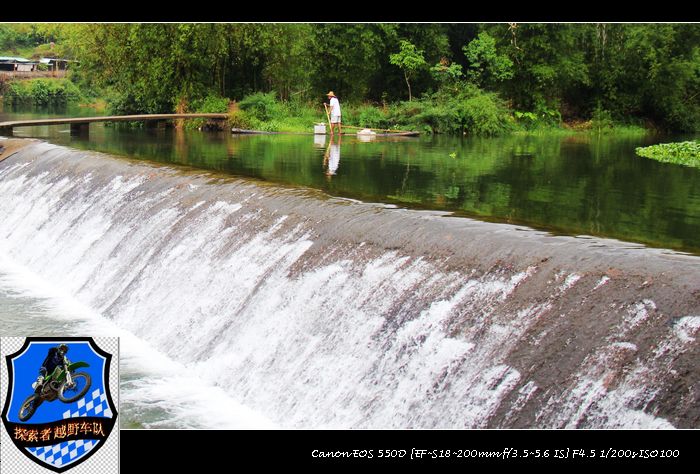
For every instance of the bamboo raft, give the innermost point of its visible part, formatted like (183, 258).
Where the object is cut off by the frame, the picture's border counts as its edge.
(379, 132)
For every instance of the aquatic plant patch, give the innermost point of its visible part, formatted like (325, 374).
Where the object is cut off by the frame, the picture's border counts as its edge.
(681, 153)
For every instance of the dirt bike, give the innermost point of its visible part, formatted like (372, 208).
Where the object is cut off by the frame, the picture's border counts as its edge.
(62, 383)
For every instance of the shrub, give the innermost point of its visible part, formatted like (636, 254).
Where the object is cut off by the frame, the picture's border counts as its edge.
(239, 119)
(483, 115)
(43, 92)
(372, 117)
(262, 111)
(601, 121)
(262, 106)
(211, 104)
(207, 105)
(122, 104)
(461, 108)
(365, 115)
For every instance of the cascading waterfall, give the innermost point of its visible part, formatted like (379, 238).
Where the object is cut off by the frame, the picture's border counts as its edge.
(327, 313)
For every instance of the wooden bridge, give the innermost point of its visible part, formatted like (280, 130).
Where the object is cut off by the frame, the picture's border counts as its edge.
(81, 125)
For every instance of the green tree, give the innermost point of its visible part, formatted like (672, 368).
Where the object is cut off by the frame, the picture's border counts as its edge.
(410, 60)
(644, 72)
(486, 66)
(445, 72)
(349, 58)
(634, 72)
(153, 67)
(288, 59)
(549, 65)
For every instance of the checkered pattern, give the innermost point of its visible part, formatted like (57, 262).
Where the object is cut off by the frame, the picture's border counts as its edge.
(63, 454)
(94, 404)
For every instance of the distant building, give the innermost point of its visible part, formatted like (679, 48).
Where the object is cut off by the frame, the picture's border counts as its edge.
(56, 64)
(8, 63)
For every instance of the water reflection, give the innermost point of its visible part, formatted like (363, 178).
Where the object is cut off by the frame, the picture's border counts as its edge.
(319, 141)
(331, 159)
(575, 185)
(366, 135)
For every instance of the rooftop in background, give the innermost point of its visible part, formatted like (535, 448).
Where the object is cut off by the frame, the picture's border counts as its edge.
(31, 68)
(58, 60)
(11, 59)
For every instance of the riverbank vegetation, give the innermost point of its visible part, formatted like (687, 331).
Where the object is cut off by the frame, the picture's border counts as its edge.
(437, 78)
(34, 40)
(682, 153)
(43, 92)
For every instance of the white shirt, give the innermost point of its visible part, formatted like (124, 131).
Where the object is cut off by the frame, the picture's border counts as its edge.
(335, 107)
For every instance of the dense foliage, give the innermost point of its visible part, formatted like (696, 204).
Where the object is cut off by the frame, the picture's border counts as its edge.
(683, 153)
(34, 40)
(540, 74)
(52, 92)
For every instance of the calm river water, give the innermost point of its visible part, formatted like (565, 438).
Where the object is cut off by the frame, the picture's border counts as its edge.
(571, 185)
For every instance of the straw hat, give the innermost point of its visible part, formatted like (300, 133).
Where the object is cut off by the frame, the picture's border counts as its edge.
(331, 94)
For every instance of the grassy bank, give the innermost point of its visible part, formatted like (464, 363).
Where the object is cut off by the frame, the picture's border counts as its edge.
(471, 112)
(476, 114)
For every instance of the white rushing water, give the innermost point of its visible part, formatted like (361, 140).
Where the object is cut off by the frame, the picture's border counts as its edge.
(156, 392)
(226, 322)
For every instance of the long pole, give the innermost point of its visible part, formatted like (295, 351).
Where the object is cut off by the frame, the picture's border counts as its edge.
(376, 129)
(328, 116)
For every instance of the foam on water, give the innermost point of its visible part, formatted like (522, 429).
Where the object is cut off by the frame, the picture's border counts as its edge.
(221, 301)
(155, 391)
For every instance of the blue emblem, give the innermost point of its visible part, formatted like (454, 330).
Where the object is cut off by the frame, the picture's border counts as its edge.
(59, 410)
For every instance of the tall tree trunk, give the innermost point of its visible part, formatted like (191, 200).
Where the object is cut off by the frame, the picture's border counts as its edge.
(409, 86)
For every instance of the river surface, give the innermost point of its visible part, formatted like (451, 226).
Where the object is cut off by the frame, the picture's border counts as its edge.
(570, 185)
(248, 291)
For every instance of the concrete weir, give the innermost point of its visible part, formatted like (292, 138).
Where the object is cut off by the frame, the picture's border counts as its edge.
(10, 146)
(322, 312)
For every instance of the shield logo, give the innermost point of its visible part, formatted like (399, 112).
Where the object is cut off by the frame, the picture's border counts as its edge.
(64, 418)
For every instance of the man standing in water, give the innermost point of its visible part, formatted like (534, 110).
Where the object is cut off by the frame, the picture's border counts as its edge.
(334, 112)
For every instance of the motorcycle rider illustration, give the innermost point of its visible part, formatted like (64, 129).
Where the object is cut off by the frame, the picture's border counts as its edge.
(58, 379)
(56, 357)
